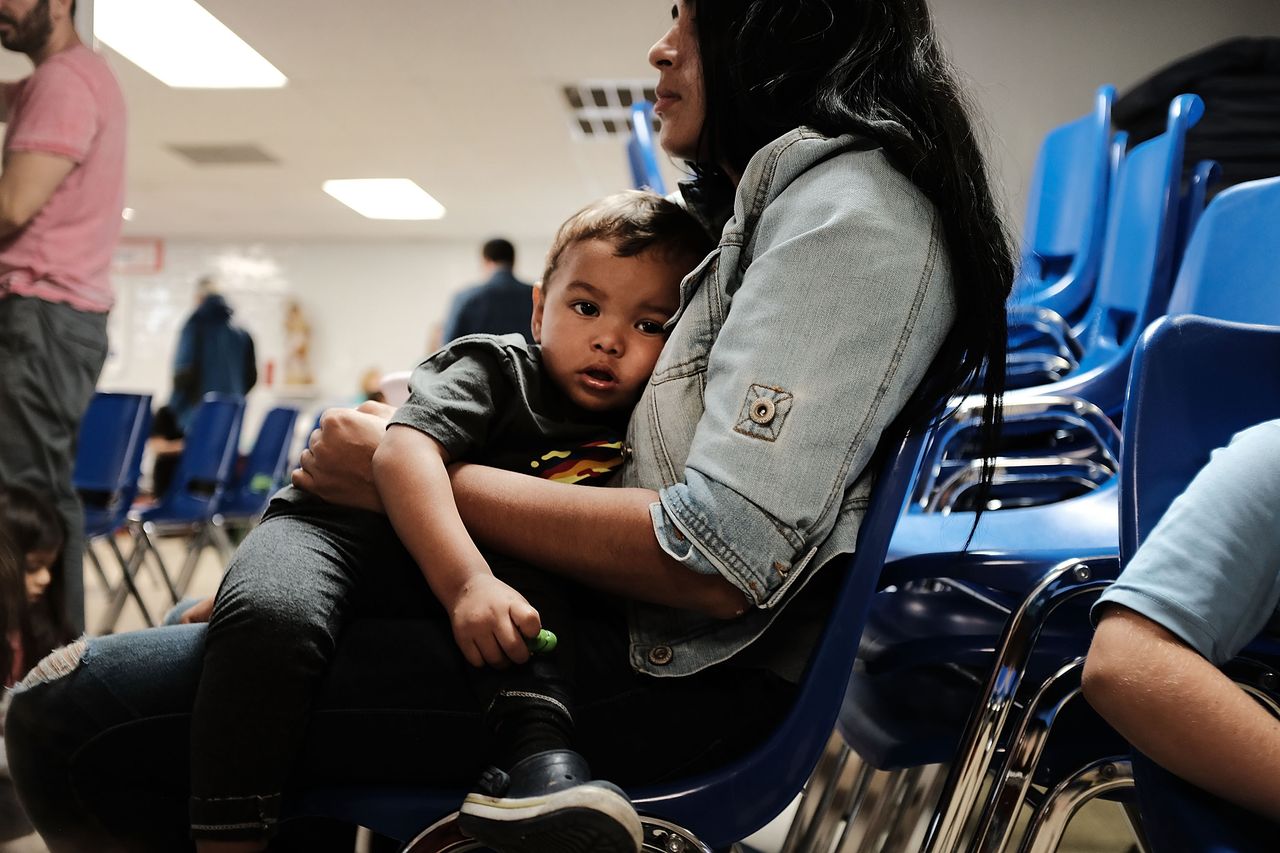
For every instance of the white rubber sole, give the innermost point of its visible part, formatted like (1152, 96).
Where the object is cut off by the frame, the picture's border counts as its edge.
(589, 818)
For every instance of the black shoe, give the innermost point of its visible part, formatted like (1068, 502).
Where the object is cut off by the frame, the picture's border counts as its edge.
(548, 804)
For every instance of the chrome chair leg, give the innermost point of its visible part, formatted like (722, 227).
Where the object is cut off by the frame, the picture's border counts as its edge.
(816, 794)
(1013, 780)
(908, 830)
(847, 797)
(869, 835)
(1134, 816)
(961, 792)
(1050, 820)
(128, 585)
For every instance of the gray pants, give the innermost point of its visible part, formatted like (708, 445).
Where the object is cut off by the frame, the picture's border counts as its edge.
(50, 358)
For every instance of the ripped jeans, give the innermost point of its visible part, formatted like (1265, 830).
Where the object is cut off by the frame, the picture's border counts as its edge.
(105, 750)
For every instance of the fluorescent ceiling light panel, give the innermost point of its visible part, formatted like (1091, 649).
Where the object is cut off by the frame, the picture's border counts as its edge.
(182, 45)
(385, 198)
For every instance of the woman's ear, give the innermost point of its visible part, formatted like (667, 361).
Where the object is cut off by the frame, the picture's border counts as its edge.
(535, 324)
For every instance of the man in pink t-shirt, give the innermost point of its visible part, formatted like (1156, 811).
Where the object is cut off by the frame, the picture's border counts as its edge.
(61, 196)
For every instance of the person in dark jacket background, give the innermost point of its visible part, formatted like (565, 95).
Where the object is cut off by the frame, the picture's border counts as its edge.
(499, 306)
(214, 355)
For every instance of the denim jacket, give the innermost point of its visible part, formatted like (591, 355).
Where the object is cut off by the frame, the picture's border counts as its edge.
(796, 343)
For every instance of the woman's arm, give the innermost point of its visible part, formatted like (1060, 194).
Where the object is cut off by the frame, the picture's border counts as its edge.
(599, 537)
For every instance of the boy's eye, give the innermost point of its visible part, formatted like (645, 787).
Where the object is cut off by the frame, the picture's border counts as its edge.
(586, 309)
(650, 327)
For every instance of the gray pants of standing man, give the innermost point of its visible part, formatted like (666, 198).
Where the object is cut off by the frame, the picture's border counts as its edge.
(50, 358)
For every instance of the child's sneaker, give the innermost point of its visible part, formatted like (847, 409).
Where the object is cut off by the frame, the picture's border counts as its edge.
(548, 804)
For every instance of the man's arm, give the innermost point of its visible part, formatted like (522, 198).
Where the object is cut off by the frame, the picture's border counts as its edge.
(602, 538)
(1182, 712)
(28, 182)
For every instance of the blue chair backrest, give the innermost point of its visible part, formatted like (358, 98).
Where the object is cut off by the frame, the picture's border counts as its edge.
(267, 466)
(642, 153)
(1066, 212)
(1231, 268)
(1204, 178)
(113, 433)
(209, 453)
(1195, 383)
(1137, 261)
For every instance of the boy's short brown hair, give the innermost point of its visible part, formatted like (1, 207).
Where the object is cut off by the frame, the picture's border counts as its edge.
(634, 222)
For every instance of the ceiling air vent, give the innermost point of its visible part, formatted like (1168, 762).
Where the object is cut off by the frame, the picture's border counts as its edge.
(224, 155)
(601, 109)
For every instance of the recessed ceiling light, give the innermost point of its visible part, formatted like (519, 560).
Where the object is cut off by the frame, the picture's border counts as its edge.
(182, 45)
(385, 198)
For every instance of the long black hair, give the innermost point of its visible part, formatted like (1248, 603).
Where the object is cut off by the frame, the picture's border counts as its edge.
(32, 524)
(874, 68)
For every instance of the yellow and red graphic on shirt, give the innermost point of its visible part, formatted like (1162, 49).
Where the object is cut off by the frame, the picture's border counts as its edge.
(589, 461)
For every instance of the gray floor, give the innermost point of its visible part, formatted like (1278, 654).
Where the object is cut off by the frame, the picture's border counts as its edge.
(1099, 828)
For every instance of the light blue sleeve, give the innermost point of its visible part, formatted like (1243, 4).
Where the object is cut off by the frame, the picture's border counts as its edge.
(844, 304)
(1210, 570)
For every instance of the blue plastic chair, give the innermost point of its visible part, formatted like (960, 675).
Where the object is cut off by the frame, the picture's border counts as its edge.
(112, 436)
(720, 808)
(1228, 272)
(263, 473)
(642, 150)
(204, 471)
(1066, 214)
(1007, 596)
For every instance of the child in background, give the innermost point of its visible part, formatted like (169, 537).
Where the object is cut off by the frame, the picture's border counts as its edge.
(35, 531)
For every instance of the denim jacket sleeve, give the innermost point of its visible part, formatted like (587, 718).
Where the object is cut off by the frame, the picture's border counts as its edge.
(839, 301)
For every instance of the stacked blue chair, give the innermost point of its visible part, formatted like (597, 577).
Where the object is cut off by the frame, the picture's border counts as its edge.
(1133, 288)
(264, 472)
(113, 434)
(714, 811)
(1065, 222)
(204, 471)
(642, 151)
(1195, 358)
(1003, 601)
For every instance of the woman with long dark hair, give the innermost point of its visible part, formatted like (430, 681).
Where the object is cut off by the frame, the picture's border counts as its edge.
(859, 281)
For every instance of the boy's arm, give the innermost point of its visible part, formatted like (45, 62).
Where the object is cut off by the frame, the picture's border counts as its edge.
(1182, 712)
(488, 617)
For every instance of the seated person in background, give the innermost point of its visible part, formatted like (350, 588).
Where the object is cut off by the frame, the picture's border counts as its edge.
(557, 410)
(32, 611)
(34, 528)
(1203, 585)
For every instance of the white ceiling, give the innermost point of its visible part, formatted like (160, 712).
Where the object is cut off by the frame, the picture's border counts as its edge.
(464, 97)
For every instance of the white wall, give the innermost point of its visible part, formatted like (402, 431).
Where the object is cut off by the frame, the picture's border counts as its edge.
(368, 304)
(1034, 64)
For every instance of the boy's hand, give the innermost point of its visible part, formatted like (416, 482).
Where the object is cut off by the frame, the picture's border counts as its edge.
(491, 622)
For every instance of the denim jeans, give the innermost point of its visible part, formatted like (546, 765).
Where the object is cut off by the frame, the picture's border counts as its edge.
(105, 750)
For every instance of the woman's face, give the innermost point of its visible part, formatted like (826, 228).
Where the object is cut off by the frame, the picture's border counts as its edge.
(680, 96)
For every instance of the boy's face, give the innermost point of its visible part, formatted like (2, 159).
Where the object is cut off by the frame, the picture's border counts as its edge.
(600, 321)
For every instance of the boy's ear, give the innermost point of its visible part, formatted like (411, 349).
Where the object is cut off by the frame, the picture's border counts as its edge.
(535, 324)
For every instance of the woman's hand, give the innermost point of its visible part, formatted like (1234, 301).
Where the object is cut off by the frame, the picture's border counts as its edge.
(198, 612)
(491, 621)
(338, 464)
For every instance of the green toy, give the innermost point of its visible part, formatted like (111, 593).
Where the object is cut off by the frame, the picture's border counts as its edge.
(542, 644)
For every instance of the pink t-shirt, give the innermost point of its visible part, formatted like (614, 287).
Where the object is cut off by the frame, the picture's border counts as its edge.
(70, 106)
